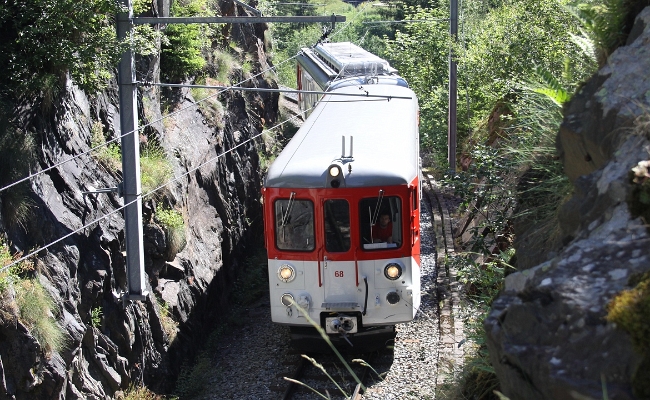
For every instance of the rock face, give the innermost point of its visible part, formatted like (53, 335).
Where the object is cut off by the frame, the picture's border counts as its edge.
(547, 332)
(217, 187)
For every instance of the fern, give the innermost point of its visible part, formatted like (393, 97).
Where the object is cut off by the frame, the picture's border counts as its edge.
(603, 24)
(546, 84)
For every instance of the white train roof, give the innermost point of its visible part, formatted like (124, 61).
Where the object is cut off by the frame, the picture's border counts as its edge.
(385, 144)
(334, 62)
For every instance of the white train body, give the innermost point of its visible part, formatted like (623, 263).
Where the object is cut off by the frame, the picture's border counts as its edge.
(342, 201)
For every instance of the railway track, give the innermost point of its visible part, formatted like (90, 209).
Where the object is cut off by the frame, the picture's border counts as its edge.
(312, 370)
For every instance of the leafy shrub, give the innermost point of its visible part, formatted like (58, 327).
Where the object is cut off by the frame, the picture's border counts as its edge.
(8, 275)
(43, 40)
(181, 51)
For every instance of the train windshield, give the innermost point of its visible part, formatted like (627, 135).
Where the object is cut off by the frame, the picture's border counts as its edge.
(294, 224)
(380, 222)
(337, 225)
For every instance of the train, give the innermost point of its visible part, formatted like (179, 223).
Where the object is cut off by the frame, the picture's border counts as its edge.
(342, 202)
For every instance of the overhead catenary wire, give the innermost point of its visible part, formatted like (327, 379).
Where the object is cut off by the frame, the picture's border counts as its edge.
(263, 90)
(142, 196)
(405, 21)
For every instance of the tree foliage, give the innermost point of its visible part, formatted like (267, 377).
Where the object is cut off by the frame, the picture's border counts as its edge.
(42, 40)
(181, 53)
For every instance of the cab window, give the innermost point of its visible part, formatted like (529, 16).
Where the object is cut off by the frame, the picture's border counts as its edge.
(294, 224)
(380, 221)
(337, 225)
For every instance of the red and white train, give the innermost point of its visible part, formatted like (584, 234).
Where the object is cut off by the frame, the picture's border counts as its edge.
(341, 202)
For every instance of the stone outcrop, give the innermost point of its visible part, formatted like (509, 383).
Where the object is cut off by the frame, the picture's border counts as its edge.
(547, 332)
(218, 191)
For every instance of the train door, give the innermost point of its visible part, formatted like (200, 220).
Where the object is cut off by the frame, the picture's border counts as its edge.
(340, 278)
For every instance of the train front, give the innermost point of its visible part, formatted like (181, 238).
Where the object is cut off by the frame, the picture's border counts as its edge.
(341, 210)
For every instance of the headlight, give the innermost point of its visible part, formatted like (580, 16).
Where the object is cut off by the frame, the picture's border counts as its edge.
(286, 299)
(286, 273)
(393, 271)
(334, 171)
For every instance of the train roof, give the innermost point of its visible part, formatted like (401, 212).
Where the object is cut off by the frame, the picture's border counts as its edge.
(385, 141)
(330, 62)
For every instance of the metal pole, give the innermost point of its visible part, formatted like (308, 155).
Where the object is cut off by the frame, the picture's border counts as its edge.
(130, 161)
(453, 89)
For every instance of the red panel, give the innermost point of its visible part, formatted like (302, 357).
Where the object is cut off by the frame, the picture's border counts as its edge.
(410, 218)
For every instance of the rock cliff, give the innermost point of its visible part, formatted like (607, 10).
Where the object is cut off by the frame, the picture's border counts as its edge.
(551, 333)
(126, 343)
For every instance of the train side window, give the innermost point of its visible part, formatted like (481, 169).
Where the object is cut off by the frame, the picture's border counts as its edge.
(380, 222)
(294, 224)
(337, 225)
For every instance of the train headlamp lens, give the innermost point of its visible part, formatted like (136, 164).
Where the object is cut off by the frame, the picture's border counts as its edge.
(334, 171)
(393, 271)
(286, 273)
(286, 299)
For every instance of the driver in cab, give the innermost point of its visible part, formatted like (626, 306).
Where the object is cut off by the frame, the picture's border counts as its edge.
(383, 230)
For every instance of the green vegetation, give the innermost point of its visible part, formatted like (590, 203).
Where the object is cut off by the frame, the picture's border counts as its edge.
(209, 104)
(36, 307)
(630, 310)
(193, 378)
(22, 294)
(224, 64)
(17, 150)
(287, 39)
(7, 275)
(181, 54)
(96, 317)
(44, 40)
(169, 325)
(108, 155)
(155, 169)
(139, 393)
(174, 225)
(483, 282)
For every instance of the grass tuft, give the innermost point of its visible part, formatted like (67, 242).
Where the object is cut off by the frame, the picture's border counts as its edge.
(169, 325)
(110, 155)
(209, 104)
(139, 393)
(173, 224)
(36, 307)
(155, 169)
